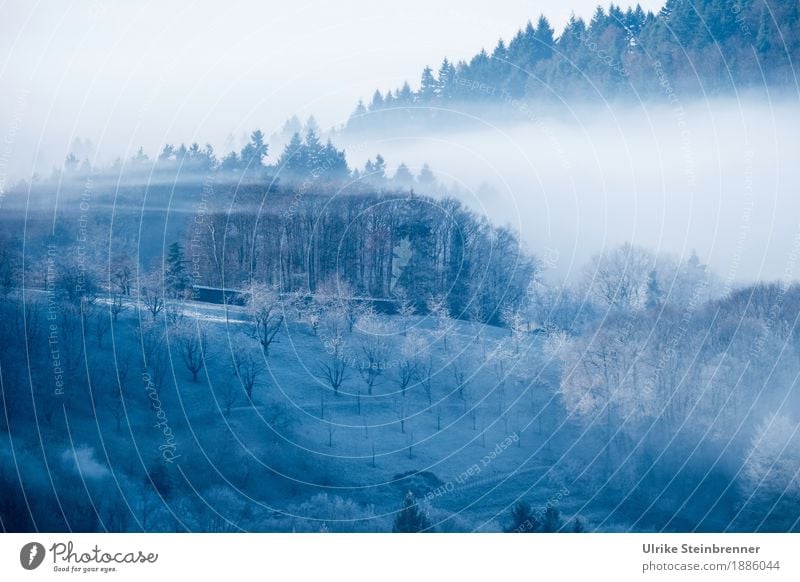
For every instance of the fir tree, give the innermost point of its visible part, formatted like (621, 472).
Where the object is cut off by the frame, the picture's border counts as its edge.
(291, 160)
(403, 178)
(377, 101)
(426, 179)
(253, 154)
(410, 519)
(428, 86)
(446, 81)
(551, 522)
(653, 296)
(176, 277)
(405, 96)
(523, 519)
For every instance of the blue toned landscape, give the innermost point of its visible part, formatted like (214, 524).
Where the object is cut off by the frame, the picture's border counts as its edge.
(552, 286)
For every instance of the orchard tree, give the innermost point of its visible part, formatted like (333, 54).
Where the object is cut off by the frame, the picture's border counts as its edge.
(375, 353)
(151, 294)
(249, 367)
(438, 310)
(409, 362)
(193, 345)
(405, 307)
(266, 310)
(334, 371)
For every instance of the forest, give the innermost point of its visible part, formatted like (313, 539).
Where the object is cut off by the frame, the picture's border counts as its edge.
(690, 47)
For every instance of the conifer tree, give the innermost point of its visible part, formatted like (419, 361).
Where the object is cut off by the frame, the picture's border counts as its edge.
(410, 519)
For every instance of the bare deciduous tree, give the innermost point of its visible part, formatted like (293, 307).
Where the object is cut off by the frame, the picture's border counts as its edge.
(437, 307)
(151, 339)
(117, 306)
(458, 367)
(117, 407)
(408, 366)
(618, 277)
(405, 307)
(193, 346)
(374, 362)
(267, 311)
(151, 293)
(249, 367)
(426, 379)
(230, 394)
(122, 274)
(334, 372)
(101, 324)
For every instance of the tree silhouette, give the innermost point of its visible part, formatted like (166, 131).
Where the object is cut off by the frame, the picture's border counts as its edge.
(410, 519)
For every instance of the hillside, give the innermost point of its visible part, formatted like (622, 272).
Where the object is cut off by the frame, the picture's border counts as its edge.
(196, 419)
(263, 465)
(689, 49)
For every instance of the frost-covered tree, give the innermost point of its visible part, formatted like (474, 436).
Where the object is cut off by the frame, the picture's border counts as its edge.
(266, 310)
(405, 307)
(122, 273)
(772, 465)
(440, 312)
(605, 381)
(334, 370)
(617, 278)
(151, 294)
(336, 299)
(514, 320)
(409, 361)
(375, 354)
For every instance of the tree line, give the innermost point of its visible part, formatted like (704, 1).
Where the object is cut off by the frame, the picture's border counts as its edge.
(305, 160)
(695, 47)
(389, 245)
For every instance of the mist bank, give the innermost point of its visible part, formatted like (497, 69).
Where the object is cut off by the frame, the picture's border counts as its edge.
(718, 176)
(715, 176)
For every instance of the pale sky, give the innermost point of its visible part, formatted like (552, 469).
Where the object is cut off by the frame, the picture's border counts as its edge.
(126, 74)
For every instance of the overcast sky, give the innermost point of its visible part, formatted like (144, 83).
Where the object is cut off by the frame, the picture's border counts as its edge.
(143, 73)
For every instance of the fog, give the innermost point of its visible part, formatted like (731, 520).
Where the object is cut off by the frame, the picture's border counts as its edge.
(132, 75)
(718, 176)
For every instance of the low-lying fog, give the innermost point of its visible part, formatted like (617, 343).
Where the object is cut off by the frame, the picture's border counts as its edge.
(718, 176)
